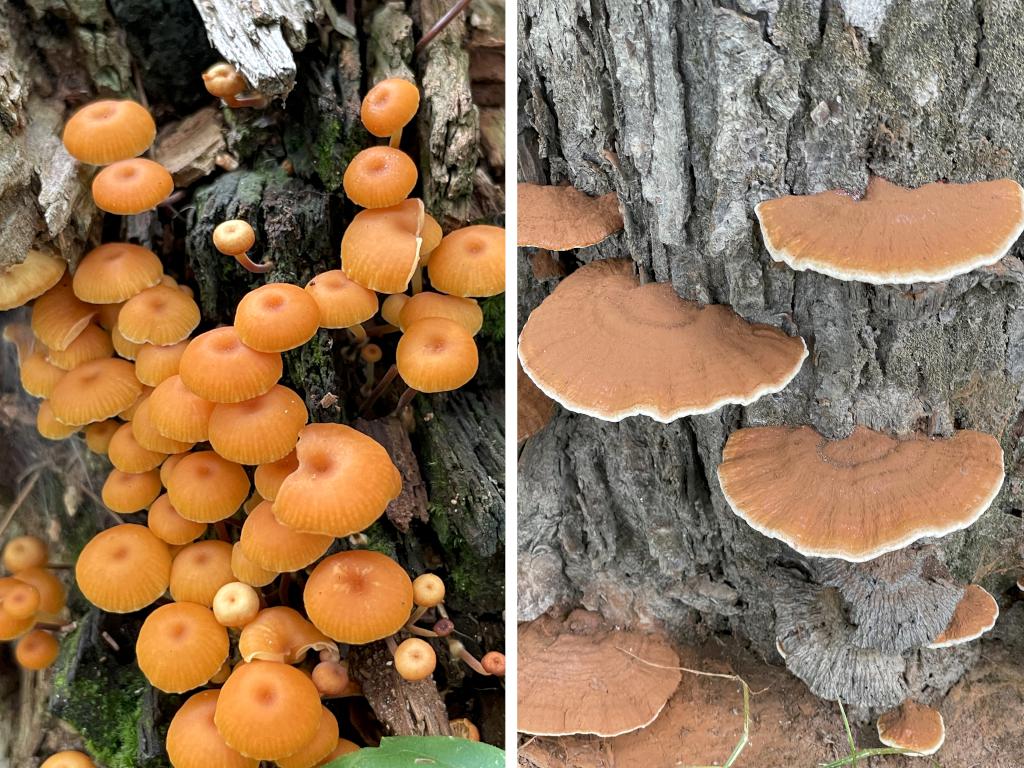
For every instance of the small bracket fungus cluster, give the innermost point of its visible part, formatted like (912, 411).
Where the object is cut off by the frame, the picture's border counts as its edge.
(32, 603)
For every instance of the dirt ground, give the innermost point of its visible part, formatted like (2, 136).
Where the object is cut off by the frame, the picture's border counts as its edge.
(791, 728)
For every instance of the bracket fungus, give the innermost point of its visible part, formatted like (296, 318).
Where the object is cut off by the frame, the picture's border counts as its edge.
(562, 218)
(893, 234)
(606, 346)
(975, 614)
(859, 497)
(534, 408)
(29, 279)
(380, 249)
(913, 727)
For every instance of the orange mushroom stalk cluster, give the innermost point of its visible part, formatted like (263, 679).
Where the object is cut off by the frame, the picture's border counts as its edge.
(32, 602)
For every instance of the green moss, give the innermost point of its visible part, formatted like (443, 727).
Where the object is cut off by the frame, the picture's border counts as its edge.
(494, 317)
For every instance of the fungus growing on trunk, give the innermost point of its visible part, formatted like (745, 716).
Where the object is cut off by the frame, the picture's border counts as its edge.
(379, 177)
(107, 131)
(258, 431)
(535, 409)
(123, 569)
(343, 302)
(92, 344)
(178, 413)
(131, 186)
(193, 740)
(31, 278)
(207, 488)
(975, 614)
(465, 312)
(114, 272)
(388, 107)
(276, 547)
(380, 249)
(914, 727)
(218, 367)
(276, 317)
(563, 218)
(234, 238)
(415, 659)
(199, 570)
(58, 316)
(159, 315)
(470, 262)
(181, 646)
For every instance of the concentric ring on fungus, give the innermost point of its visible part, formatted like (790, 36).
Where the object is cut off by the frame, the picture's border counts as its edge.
(123, 569)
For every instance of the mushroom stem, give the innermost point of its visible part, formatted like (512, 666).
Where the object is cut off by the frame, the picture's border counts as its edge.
(417, 279)
(416, 615)
(392, 645)
(396, 139)
(358, 332)
(252, 266)
(282, 591)
(379, 389)
(405, 399)
(458, 650)
(369, 375)
(222, 531)
(421, 631)
(381, 330)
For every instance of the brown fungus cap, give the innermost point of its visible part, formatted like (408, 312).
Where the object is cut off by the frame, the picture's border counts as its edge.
(199, 570)
(129, 187)
(342, 302)
(181, 646)
(276, 317)
(155, 364)
(562, 218)
(893, 234)
(193, 740)
(975, 614)
(92, 344)
(857, 498)
(206, 488)
(127, 455)
(277, 547)
(159, 315)
(178, 413)
(465, 312)
(114, 272)
(319, 747)
(592, 681)
(470, 262)
(218, 367)
(914, 727)
(33, 277)
(58, 317)
(389, 106)
(128, 492)
(344, 482)
(604, 345)
(282, 634)
(380, 249)
(436, 354)
(95, 391)
(106, 131)
(379, 177)
(123, 569)
(358, 596)
(535, 409)
(165, 522)
(258, 431)
(268, 477)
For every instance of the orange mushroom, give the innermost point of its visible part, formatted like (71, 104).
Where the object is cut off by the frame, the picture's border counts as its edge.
(58, 317)
(180, 647)
(193, 740)
(258, 431)
(236, 604)
(428, 590)
(93, 343)
(37, 650)
(223, 80)
(436, 355)
(21, 601)
(123, 569)
(49, 427)
(234, 238)
(155, 364)
(165, 522)
(388, 107)
(159, 315)
(465, 312)
(276, 317)
(317, 748)
(107, 131)
(95, 391)
(470, 262)
(277, 547)
(127, 455)
(379, 177)
(23, 552)
(343, 302)
(99, 434)
(415, 659)
(127, 492)
(206, 488)
(391, 308)
(281, 634)
(114, 272)
(218, 367)
(52, 595)
(148, 435)
(199, 570)
(70, 759)
(247, 572)
(268, 477)
(129, 350)
(11, 627)
(38, 273)
(131, 186)
(38, 375)
(178, 413)
(380, 249)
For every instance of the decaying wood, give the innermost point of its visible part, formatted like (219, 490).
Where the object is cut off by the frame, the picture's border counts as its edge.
(411, 504)
(191, 148)
(389, 49)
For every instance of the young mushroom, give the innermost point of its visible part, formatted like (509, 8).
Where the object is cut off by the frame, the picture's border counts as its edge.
(236, 604)
(415, 659)
(388, 107)
(234, 238)
(131, 186)
(379, 177)
(37, 650)
(281, 634)
(23, 552)
(107, 131)
(180, 647)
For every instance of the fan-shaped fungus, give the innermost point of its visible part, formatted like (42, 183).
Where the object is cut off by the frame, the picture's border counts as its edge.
(975, 614)
(114, 272)
(123, 569)
(562, 218)
(379, 177)
(470, 262)
(913, 727)
(131, 186)
(218, 367)
(181, 646)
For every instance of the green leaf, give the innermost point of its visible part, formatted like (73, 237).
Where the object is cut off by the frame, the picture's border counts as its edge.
(424, 752)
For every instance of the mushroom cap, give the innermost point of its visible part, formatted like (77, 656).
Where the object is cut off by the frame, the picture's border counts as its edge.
(319, 747)
(592, 682)
(114, 272)
(99, 434)
(268, 710)
(37, 650)
(218, 367)
(389, 106)
(379, 177)
(179, 413)
(277, 547)
(391, 308)
(106, 131)
(131, 186)
(58, 317)
(128, 492)
(234, 237)
(268, 477)
(49, 427)
(415, 659)
(193, 740)
(236, 604)
(38, 375)
(380, 249)
(258, 431)
(181, 646)
(247, 572)
(146, 432)
(893, 234)
(604, 345)
(857, 498)
(33, 277)
(470, 262)
(165, 522)
(428, 590)
(207, 488)
(123, 569)
(107, 315)
(168, 466)
(358, 596)
(155, 364)
(563, 218)
(535, 409)
(344, 482)
(199, 570)
(10, 626)
(127, 455)
(94, 391)
(21, 601)
(93, 343)
(975, 614)
(223, 81)
(331, 678)
(276, 317)
(431, 234)
(283, 635)
(436, 354)
(342, 302)
(68, 759)
(343, 747)
(129, 350)
(465, 312)
(161, 315)
(913, 727)
(23, 552)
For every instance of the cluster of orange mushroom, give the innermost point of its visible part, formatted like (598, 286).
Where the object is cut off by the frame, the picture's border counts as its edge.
(32, 602)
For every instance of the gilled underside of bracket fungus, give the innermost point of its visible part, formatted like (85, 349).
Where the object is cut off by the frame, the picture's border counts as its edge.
(859, 497)
(593, 681)
(604, 345)
(893, 234)
(975, 614)
(562, 218)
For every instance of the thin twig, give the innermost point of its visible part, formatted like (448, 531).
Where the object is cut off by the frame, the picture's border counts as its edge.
(457, 8)
(19, 500)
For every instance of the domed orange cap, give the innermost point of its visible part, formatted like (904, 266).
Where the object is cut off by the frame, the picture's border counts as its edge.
(69, 759)
(115, 272)
(92, 344)
(33, 277)
(181, 646)
(129, 350)
(165, 522)
(21, 601)
(107, 315)
(234, 237)
(52, 595)
(431, 234)
(389, 106)
(147, 434)
(465, 312)
(193, 740)
(95, 391)
(260, 430)
(38, 375)
(344, 482)
(343, 302)
(391, 308)
(218, 367)
(436, 355)
(206, 488)
(131, 186)
(343, 747)
(470, 262)
(199, 570)
(128, 456)
(11, 627)
(379, 177)
(358, 596)
(48, 426)
(268, 477)
(99, 434)
(178, 413)
(168, 466)
(107, 131)
(381, 247)
(159, 315)
(247, 572)
(127, 492)
(276, 317)
(223, 81)
(154, 364)
(36, 650)
(268, 710)
(58, 317)
(277, 547)
(321, 745)
(123, 569)
(282, 634)
(23, 552)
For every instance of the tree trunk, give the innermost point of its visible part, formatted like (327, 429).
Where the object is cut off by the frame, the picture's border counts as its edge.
(693, 112)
